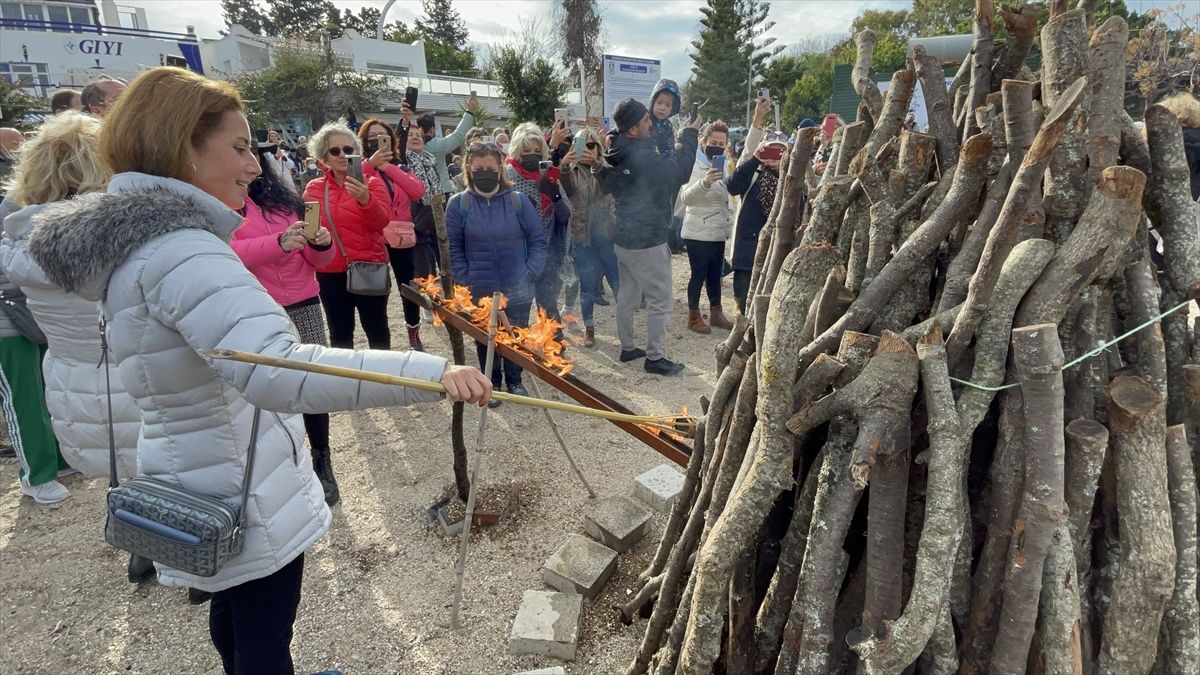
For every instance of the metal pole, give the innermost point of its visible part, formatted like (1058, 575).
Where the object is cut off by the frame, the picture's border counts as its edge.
(749, 90)
(582, 92)
(466, 533)
(537, 391)
(382, 18)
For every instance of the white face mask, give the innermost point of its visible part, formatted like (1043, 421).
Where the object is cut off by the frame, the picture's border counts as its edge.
(312, 166)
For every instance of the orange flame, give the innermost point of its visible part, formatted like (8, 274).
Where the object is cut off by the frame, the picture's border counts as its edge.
(537, 341)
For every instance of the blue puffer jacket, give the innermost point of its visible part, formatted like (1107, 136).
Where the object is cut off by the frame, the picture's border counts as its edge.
(491, 251)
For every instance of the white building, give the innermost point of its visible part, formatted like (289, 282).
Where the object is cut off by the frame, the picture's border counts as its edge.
(55, 44)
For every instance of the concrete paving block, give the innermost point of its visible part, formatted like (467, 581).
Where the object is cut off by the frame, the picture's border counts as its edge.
(580, 566)
(618, 523)
(658, 487)
(556, 670)
(547, 623)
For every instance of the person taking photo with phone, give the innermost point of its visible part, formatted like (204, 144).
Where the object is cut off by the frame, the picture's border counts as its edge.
(643, 183)
(404, 188)
(355, 213)
(530, 169)
(440, 147)
(593, 222)
(707, 223)
(755, 180)
(276, 247)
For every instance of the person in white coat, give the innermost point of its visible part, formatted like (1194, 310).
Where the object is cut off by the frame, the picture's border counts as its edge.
(155, 250)
(707, 223)
(60, 161)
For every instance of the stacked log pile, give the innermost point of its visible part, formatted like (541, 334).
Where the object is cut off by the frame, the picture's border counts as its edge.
(916, 459)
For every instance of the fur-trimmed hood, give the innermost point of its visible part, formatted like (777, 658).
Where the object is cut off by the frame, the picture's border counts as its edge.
(79, 242)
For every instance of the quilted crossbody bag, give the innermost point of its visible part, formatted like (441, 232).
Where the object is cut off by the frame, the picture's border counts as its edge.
(192, 533)
(362, 278)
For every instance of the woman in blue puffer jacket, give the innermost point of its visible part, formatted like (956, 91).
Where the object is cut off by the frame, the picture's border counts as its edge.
(496, 244)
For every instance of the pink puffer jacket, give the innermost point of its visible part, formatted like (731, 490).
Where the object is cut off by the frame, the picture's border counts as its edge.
(289, 277)
(404, 188)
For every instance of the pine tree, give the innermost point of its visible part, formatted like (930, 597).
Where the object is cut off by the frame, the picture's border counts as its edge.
(246, 13)
(727, 52)
(443, 24)
(579, 24)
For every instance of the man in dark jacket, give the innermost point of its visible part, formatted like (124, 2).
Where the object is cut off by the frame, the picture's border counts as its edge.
(642, 184)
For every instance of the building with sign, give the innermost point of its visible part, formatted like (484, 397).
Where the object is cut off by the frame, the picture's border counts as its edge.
(54, 44)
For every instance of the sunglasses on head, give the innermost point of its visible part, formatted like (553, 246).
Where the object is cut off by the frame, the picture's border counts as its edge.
(475, 147)
(335, 151)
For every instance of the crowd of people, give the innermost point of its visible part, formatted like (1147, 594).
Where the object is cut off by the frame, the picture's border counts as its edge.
(146, 224)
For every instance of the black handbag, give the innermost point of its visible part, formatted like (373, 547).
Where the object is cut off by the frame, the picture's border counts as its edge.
(16, 310)
(362, 278)
(192, 533)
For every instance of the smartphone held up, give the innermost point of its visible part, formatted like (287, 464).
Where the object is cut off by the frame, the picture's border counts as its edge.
(354, 167)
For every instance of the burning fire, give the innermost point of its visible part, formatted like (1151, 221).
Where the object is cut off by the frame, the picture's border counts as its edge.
(538, 341)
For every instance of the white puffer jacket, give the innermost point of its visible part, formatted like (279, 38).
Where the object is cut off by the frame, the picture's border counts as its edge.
(708, 215)
(175, 290)
(75, 386)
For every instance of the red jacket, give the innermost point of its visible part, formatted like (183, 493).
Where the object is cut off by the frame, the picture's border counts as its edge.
(359, 227)
(288, 277)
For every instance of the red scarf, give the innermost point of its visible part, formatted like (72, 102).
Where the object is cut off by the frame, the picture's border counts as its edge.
(534, 176)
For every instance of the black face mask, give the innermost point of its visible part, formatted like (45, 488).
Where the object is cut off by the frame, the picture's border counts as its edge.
(713, 151)
(372, 146)
(530, 162)
(485, 180)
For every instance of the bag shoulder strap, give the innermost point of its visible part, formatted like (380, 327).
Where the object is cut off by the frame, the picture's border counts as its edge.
(516, 201)
(112, 441)
(464, 205)
(249, 467)
(332, 226)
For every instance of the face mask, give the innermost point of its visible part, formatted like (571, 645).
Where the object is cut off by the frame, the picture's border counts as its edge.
(504, 148)
(485, 180)
(372, 146)
(312, 166)
(713, 151)
(530, 162)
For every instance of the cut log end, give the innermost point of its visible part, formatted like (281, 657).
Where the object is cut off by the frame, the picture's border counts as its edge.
(891, 342)
(1088, 431)
(1122, 182)
(1130, 399)
(1055, 124)
(933, 336)
(976, 147)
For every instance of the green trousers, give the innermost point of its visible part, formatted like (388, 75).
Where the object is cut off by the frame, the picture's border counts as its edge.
(23, 404)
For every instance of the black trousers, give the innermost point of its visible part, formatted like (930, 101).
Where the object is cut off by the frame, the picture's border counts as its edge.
(705, 258)
(339, 307)
(518, 315)
(548, 285)
(251, 624)
(741, 287)
(404, 268)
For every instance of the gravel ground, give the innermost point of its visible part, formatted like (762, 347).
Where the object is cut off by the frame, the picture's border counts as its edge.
(378, 587)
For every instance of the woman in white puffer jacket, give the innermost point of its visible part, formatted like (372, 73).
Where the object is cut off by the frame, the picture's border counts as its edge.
(155, 248)
(58, 162)
(707, 223)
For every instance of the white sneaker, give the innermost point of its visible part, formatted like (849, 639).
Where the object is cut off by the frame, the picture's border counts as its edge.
(46, 493)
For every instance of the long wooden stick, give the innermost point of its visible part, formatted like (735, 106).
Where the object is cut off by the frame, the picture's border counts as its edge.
(683, 425)
(561, 443)
(483, 409)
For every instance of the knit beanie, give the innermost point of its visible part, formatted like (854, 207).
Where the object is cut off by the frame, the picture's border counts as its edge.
(628, 112)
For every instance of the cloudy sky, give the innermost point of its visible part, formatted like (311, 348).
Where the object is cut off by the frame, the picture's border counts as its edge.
(656, 29)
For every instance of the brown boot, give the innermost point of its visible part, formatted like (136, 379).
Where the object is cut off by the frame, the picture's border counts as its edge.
(589, 338)
(696, 322)
(717, 318)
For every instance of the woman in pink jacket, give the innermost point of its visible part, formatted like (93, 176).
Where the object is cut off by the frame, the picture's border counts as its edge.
(387, 161)
(273, 246)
